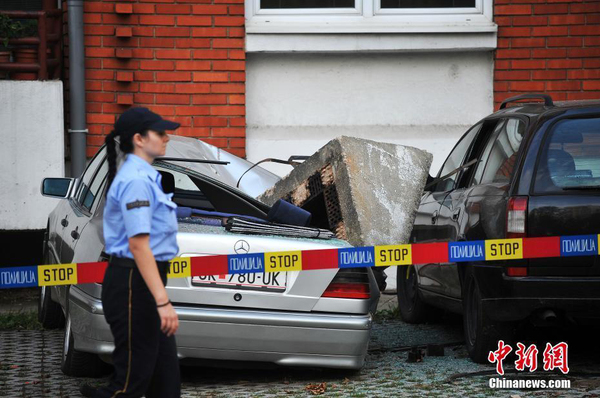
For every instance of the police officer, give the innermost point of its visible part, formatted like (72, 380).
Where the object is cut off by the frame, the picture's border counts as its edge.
(140, 235)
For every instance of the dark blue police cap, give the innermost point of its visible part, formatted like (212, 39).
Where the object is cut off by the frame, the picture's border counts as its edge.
(138, 119)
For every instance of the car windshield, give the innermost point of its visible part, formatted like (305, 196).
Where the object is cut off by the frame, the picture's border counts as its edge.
(570, 159)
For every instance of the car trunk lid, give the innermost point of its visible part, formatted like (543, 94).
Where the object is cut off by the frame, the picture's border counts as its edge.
(297, 291)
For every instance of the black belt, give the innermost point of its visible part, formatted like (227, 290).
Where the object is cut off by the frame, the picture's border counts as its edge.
(130, 263)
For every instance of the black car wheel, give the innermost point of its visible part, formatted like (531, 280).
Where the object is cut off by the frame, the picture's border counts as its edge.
(412, 307)
(50, 313)
(78, 363)
(481, 333)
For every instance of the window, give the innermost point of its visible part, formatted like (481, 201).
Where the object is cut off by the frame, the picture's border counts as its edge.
(274, 4)
(427, 3)
(486, 153)
(455, 160)
(186, 192)
(89, 195)
(502, 156)
(21, 5)
(84, 184)
(369, 16)
(571, 157)
(304, 4)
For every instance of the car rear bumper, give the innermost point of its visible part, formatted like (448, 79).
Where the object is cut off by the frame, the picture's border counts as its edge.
(514, 298)
(283, 338)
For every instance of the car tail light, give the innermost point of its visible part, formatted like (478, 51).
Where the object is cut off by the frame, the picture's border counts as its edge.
(516, 217)
(516, 271)
(350, 283)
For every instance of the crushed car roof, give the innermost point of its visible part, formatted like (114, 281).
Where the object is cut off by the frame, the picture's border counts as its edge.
(254, 182)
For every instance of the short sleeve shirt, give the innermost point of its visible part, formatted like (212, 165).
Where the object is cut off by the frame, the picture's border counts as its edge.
(136, 204)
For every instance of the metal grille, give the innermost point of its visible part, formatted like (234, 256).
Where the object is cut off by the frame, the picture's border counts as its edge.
(315, 186)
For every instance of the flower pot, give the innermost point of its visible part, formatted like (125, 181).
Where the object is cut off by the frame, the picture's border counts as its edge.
(25, 56)
(4, 58)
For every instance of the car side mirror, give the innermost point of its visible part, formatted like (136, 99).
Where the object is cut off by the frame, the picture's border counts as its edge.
(57, 187)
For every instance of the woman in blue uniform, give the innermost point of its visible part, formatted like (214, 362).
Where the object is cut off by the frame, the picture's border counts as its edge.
(140, 229)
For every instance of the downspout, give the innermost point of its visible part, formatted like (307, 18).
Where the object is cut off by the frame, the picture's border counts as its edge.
(77, 124)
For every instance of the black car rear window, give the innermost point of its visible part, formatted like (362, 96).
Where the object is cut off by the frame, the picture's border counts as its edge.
(570, 158)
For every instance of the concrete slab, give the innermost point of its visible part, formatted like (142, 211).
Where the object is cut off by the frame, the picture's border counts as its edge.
(369, 191)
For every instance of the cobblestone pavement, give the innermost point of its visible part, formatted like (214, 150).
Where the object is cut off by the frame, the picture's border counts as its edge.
(30, 367)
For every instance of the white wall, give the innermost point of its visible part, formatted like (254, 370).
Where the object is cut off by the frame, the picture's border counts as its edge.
(32, 132)
(298, 102)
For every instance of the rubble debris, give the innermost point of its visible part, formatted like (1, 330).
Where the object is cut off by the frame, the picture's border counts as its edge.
(317, 388)
(435, 350)
(415, 355)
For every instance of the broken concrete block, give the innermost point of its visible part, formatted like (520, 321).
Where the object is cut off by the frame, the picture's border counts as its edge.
(367, 192)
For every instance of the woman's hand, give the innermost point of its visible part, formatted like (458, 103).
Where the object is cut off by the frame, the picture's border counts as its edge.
(168, 319)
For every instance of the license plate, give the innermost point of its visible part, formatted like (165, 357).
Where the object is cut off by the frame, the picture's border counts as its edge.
(255, 281)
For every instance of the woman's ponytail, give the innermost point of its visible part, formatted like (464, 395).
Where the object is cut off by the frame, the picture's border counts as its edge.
(112, 158)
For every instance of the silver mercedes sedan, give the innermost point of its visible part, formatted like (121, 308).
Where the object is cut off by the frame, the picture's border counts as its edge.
(317, 318)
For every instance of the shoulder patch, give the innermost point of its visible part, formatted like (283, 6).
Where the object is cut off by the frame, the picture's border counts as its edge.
(138, 203)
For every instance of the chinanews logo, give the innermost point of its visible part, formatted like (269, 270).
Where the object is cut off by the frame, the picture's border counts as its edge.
(555, 357)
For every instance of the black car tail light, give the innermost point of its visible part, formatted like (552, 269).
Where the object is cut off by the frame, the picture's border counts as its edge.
(350, 283)
(516, 217)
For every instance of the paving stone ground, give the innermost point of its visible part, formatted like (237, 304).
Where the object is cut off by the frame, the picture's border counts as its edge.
(30, 367)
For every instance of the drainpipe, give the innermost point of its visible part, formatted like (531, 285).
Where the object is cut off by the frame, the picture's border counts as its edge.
(78, 130)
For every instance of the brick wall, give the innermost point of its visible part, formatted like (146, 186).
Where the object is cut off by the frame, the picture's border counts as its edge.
(183, 60)
(549, 46)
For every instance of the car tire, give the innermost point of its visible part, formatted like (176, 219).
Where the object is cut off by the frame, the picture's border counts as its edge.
(78, 363)
(410, 304)
(481, 333)
(50, 313)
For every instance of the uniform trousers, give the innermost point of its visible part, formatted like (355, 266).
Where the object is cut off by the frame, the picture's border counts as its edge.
(145, 359)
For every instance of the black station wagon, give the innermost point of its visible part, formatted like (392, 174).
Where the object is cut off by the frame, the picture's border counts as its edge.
(528, 170)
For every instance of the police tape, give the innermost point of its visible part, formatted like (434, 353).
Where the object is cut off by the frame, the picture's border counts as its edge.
(318, 259)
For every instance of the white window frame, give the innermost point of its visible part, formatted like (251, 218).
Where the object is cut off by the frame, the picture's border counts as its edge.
(368, 17)
(357, 10)
(478, 9)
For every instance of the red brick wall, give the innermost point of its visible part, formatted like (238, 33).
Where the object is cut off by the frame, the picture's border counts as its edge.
(183, 60)
(548, 46)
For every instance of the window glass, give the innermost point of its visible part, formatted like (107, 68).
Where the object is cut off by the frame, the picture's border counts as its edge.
(503, 155)
(306, 4)
(182, 181)
(86, 179)
(455, 160)
(92, 192)
(571, 157)
(186, 192)
(486, 153)
(427, 3)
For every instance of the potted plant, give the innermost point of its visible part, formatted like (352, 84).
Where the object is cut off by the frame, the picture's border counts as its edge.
(8, 30)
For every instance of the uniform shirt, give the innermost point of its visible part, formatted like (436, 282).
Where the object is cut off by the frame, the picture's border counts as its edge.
(136, 204)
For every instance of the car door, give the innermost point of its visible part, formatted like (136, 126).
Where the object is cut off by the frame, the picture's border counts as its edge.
(79, 211)
(81, 204)
(429, 224)
(453, 210)
(72, 217)
(487, 196)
